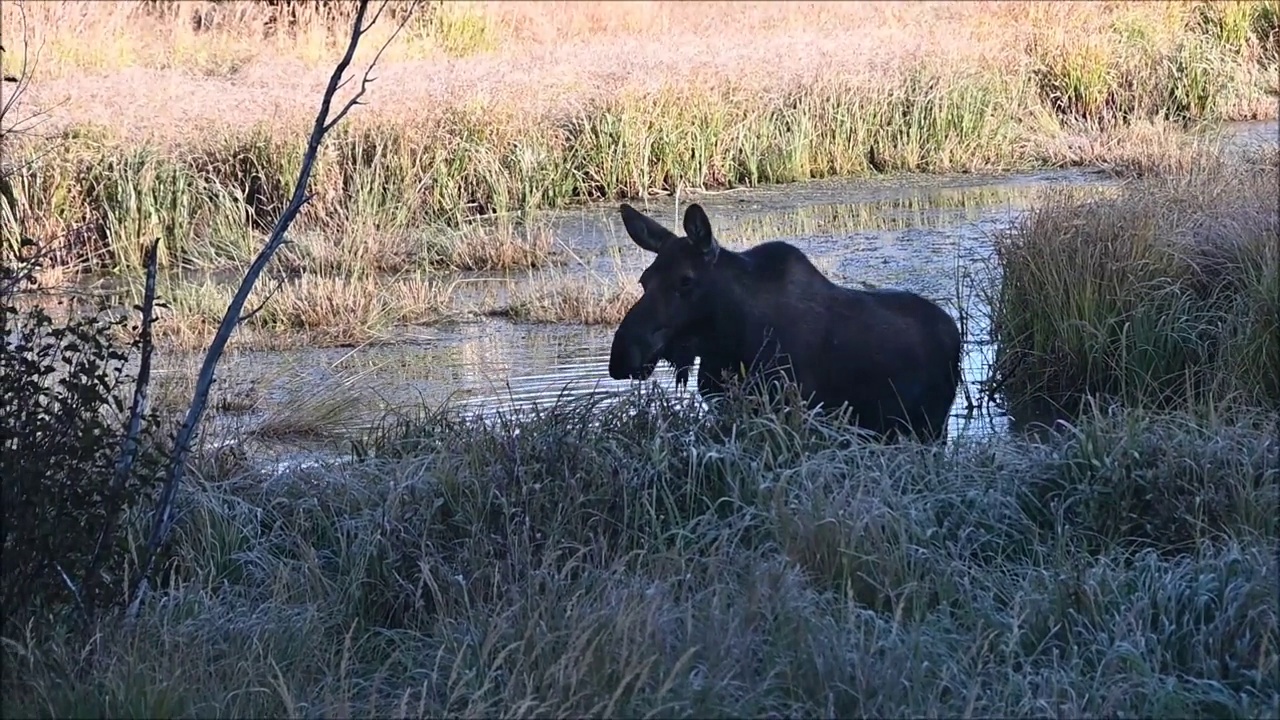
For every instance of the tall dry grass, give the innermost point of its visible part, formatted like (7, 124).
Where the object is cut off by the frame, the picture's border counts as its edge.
(183, 120)
(1165, 291)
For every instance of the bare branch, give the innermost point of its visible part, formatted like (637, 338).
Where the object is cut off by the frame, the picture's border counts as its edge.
(368, 73)
(162, 520)
(138, 408)
(270, 294)
(22, 83)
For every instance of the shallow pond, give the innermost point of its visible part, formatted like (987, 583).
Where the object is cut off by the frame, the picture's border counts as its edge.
(928, 234)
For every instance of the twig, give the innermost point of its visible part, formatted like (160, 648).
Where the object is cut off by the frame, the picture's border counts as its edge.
(22, 83)
(10, 128)
(162, 521)
(270, 294)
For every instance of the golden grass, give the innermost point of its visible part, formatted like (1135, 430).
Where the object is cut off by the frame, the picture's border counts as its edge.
(475, 246)
(306, 310)
(579, 300)
(1136, 150)
(115, 64)
(185, 120)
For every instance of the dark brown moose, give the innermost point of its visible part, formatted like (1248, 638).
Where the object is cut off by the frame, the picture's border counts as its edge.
(890, 356)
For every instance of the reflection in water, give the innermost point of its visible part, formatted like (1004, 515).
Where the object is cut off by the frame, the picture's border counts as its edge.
(583, 373)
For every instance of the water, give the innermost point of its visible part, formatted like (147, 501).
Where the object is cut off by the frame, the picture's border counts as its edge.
(918, 233)
(927, 234)
(1251, 134)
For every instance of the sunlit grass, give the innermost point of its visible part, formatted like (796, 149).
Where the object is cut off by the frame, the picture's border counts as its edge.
(285, 312)
(436, 155)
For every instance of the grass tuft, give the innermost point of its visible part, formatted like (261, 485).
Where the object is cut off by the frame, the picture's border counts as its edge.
(303, 310)
(572, 300)
(1164, 291)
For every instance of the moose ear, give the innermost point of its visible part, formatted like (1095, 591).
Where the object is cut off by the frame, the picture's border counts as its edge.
(698, 228)
(644, 230)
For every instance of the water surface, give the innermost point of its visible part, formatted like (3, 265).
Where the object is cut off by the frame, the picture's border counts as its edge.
(929, 234)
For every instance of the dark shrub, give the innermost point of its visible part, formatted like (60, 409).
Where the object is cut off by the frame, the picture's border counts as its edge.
(64, 408)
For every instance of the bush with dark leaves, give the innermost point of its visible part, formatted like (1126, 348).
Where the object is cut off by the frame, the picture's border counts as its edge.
(65, 494)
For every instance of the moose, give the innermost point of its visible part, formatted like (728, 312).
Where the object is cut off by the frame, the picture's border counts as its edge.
(888, 356)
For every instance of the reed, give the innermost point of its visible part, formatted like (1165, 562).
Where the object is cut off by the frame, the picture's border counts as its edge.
(305, 310)
(586, 118)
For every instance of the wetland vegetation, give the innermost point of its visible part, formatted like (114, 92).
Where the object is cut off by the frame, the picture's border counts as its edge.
(1049, 172)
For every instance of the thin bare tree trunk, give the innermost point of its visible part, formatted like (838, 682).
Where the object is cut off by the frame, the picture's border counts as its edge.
(133, 427)
(162, 520)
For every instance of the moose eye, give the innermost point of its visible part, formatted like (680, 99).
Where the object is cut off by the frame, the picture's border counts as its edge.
(686, 282)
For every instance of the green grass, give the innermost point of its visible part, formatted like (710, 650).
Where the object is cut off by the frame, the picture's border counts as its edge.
(1165, 291)
(459, 30)
(630, 559)
(1091, 83)
(200, 196)
(1241, 26)
(1219, 64)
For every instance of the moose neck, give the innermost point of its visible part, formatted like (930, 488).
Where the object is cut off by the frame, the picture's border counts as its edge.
(759, 291)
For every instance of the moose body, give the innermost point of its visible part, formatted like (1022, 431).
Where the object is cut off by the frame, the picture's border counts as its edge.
(891, 357)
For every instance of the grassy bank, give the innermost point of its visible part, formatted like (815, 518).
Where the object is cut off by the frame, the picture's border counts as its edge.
(639, 557)
(598, 108)
(626, 560)
(1164, 291)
